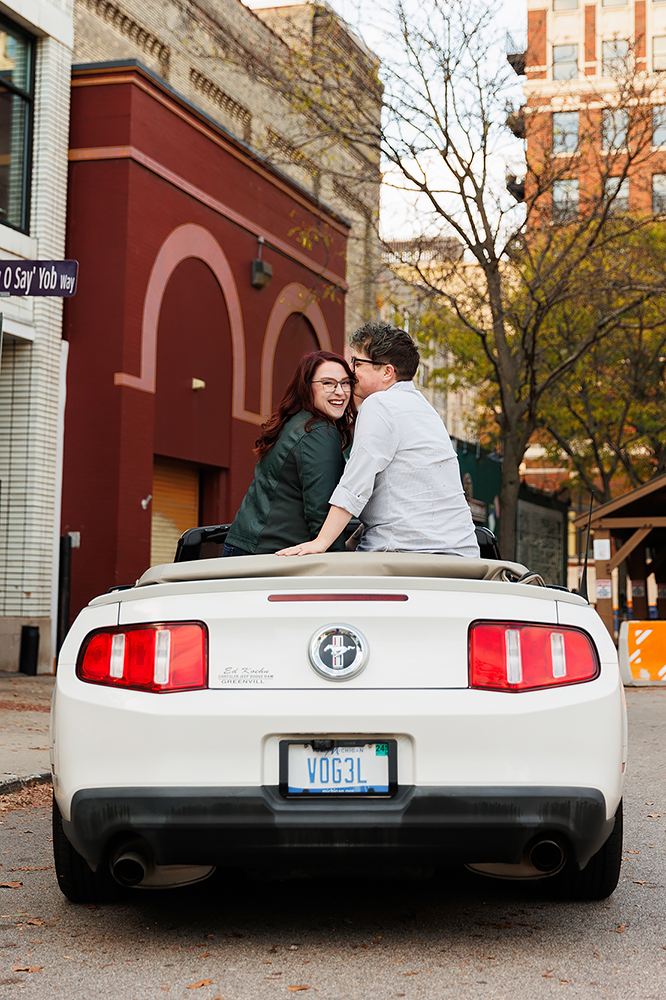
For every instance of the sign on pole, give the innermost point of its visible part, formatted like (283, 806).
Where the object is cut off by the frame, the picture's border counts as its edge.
(38, 277)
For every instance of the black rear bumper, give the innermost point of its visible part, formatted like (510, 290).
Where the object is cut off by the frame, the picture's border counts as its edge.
(257, 826)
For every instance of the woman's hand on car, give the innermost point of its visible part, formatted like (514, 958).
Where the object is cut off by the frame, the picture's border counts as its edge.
(304, 549)
(336, 521)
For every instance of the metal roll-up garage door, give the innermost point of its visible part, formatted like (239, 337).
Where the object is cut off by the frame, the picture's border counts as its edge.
(175, 506)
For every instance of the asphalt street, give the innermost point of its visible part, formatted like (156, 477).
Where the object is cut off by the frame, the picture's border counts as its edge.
(457, 938)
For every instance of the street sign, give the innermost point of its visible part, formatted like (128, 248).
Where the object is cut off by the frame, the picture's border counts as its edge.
(38, 277)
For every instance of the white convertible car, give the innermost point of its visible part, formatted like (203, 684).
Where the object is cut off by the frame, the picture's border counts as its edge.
(351, 709)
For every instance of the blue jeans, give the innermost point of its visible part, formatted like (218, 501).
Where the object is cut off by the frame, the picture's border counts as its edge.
(232, 550)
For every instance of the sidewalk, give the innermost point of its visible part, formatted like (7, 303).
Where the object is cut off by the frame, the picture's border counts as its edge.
(24, 730)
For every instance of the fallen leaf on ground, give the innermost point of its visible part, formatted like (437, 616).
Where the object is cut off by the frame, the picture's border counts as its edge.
(653, 815)
(10, 885)
(295, 989)
(202, 982)
(620, 928)
(36, 923)
(27, 968)
(636, 882)
(410, 973)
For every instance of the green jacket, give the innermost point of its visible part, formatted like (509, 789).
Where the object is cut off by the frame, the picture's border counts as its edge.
(287, 502)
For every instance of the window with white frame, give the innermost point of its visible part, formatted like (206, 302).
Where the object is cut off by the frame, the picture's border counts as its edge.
(659, 53)
(565, 132)
(565, 200)
(659, 126)
(616, 192)
(613, 3)
(565, 4)
(614, 129)
(659, 194)
(17, 49)
(565, 62)
(614, 57)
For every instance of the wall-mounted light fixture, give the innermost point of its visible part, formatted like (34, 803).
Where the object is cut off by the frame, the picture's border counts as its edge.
(262, 272)
(198, 383)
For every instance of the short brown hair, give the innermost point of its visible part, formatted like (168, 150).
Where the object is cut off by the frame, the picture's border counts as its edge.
(390, 345)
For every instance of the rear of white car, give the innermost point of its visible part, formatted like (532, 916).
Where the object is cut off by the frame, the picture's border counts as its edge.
(356, 709)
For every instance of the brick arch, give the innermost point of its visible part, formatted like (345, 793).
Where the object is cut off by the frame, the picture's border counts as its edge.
(185, 241)
(294, 298)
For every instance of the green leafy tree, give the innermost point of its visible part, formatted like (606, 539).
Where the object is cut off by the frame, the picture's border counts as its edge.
(607, 416)
(515, 305)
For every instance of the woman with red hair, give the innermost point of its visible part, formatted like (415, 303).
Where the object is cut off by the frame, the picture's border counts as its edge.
(300, 452)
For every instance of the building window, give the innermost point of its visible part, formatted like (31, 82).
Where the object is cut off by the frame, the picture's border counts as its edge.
(565, 200)
(614, 56)
(659, 194)
(614, 130)
(16, 102)
(659, 126)
(659, 53)
(617, 189)
(565, 4)
(613, 3)
(565, 131)
(565, 62)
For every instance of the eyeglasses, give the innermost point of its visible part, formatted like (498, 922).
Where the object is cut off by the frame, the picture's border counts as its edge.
(331, 384)
(363, 361)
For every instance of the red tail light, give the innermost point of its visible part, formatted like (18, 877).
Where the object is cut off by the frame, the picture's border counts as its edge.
(511, 656)
(146, 657)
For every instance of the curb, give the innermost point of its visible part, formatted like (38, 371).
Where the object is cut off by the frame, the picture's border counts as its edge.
(16, 784)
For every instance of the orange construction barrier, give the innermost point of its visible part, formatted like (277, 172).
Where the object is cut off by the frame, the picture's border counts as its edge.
(642, 652)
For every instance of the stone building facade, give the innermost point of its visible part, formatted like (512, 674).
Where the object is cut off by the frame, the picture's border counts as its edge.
(35, 59)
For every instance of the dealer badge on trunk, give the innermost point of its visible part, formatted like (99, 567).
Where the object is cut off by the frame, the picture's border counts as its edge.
(338, 652)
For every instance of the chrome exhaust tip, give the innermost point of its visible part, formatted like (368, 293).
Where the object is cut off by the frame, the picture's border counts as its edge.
(129, 868)
(547, 857)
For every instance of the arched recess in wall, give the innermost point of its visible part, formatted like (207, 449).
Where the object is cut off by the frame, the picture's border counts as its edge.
(294, 298)
(185, 241)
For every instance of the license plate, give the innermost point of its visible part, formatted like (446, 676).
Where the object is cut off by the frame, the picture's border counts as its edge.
(338, 767)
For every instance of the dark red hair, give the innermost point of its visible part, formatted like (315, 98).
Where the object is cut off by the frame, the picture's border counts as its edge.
(299, 396)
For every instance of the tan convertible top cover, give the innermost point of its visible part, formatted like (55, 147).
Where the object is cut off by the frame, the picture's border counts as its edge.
(337, 564)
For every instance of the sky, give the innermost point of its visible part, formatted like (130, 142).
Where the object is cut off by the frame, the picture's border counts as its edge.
(400, 216)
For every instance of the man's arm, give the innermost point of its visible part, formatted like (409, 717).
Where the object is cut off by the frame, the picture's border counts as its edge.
(374, 446)
(336, 521)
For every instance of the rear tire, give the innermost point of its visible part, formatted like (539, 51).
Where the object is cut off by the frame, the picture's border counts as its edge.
(599, 878)
(77, 880)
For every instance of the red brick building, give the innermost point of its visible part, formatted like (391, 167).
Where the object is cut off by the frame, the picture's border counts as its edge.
(595, 115)
(174, 356)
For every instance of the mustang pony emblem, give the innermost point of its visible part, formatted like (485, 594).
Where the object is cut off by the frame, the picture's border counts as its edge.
(330, 648)
(338, 649)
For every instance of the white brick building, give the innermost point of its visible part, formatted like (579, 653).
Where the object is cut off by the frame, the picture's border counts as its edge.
(36, 40)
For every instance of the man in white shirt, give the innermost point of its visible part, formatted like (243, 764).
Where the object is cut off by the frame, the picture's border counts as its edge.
(402, 477)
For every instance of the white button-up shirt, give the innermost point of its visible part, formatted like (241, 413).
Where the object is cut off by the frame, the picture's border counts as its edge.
(403, 478)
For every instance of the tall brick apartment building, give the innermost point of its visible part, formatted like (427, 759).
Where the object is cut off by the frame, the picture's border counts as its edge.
(588, 67)
(220, 224)
(595, 120)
